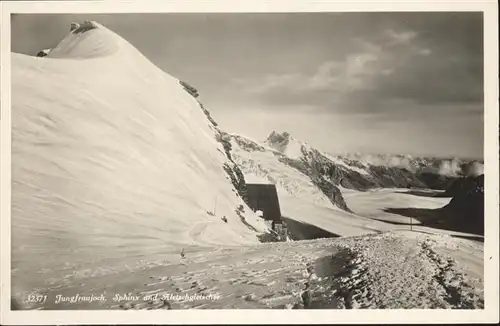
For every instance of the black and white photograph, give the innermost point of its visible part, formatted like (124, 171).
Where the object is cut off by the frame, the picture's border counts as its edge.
(325, 160)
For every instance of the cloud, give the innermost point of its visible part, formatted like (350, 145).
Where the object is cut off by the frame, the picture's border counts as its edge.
(350, 74)
(393, 64)
(450, 168)
(424, 52)
(401, 37)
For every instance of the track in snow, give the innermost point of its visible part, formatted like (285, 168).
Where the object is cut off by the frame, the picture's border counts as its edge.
(389, 270)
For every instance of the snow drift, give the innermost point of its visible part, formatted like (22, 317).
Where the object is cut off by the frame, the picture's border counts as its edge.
(112, 158)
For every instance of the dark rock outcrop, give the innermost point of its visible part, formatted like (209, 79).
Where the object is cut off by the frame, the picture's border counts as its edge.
(43, 53)
(74, 26)
(465, 212)
(332, 192)
(231, 168)
(278, 141)
(324, 168)
(395, 177)
(237, 179)
(459, 186)
(194, 93)
(472, 168)
(436, 181)
(207, 114)
(84, 27)
(247, 145)
(327, 187)
(190, 89)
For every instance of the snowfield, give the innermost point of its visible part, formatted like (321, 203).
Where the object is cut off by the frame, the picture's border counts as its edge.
(116, 170)
(390, 270)
(301, 200)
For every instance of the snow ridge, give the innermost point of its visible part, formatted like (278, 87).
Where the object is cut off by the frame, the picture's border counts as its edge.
(112, 159)
(395, 270)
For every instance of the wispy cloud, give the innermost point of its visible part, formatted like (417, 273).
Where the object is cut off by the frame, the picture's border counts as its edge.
(394, 64)
(336, 76)
(400, 37)
(425, 52)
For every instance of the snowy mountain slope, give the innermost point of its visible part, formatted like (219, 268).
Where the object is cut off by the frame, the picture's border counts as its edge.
(112, 158)
(309, 171)
(262, 163)
(301, 198)
(351, 174)
(306, 183)
(294, 176)
(363, 172)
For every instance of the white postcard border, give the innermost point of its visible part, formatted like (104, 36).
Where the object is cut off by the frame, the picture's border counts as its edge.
(491, 159)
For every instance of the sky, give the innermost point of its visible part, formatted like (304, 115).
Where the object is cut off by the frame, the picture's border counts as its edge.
(378, 83)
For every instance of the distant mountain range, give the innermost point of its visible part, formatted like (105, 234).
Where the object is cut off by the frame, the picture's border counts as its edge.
(356, 171)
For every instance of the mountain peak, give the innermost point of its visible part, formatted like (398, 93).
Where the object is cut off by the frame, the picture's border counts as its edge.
(275, 137)
(110, 115)
(88, 39)
(285, 143)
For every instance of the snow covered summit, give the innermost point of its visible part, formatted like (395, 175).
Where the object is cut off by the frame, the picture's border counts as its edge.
(112, 158)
